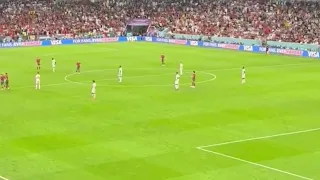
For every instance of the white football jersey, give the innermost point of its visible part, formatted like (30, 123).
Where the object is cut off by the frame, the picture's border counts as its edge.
(94, 85)
(177, 78)
(120, 72)
(53, 62)
(37, 77)
(243, 73)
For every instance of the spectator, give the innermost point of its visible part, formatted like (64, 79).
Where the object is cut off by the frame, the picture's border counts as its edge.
(252, 19)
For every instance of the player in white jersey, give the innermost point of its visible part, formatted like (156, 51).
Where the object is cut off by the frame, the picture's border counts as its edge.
(93, 90)
(176, 82)
(243, 76)
(37, 79)
(53, 62)
(181, 68)
(120, 74)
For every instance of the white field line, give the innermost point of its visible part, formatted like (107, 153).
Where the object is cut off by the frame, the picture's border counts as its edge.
(256, 164)
(202, 148)
(3, 178)
(145, 85)
(259, 138)
(223, 69)
(83, 82)
(107, 79)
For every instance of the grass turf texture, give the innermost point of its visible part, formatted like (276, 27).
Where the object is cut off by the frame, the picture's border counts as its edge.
(143, 129)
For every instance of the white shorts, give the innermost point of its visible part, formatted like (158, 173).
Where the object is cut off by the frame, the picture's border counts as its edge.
(93, 91)
(53, 66)
(243, 77)
(37, 81)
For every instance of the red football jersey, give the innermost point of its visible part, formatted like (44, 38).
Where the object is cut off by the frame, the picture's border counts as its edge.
(162, 57)
(193, 76)
(78, 64)
(38, 61)
(2, 77)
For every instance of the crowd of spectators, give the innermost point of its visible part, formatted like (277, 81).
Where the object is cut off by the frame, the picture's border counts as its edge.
(286, 21)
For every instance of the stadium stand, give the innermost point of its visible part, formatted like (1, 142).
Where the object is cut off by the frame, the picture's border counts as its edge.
(285, 21)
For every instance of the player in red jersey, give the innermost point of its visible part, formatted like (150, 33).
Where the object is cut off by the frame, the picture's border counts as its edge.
(162, 60)
(38, 63)
(193, 79)
(2, 81)
(7, 81)
(78, 67)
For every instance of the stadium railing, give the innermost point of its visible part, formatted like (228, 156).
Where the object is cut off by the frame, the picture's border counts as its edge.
(248, 42)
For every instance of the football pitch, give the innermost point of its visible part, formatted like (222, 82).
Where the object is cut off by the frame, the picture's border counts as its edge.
(141, 129)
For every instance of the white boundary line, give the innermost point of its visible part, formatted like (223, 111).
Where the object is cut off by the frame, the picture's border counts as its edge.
(202, 148)
(3, 178)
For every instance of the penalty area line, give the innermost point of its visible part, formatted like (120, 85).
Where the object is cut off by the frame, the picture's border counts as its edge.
(261, 137)
(255, 164)
(203, 148)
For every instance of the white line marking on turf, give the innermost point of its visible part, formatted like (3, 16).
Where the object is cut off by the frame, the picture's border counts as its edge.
(151, 85)
(256, 164)
(261, 137)
(106, 79)
(202, 148)
(1, 177)
(223, 69)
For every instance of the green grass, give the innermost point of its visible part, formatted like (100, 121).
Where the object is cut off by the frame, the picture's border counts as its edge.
(143, 129)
